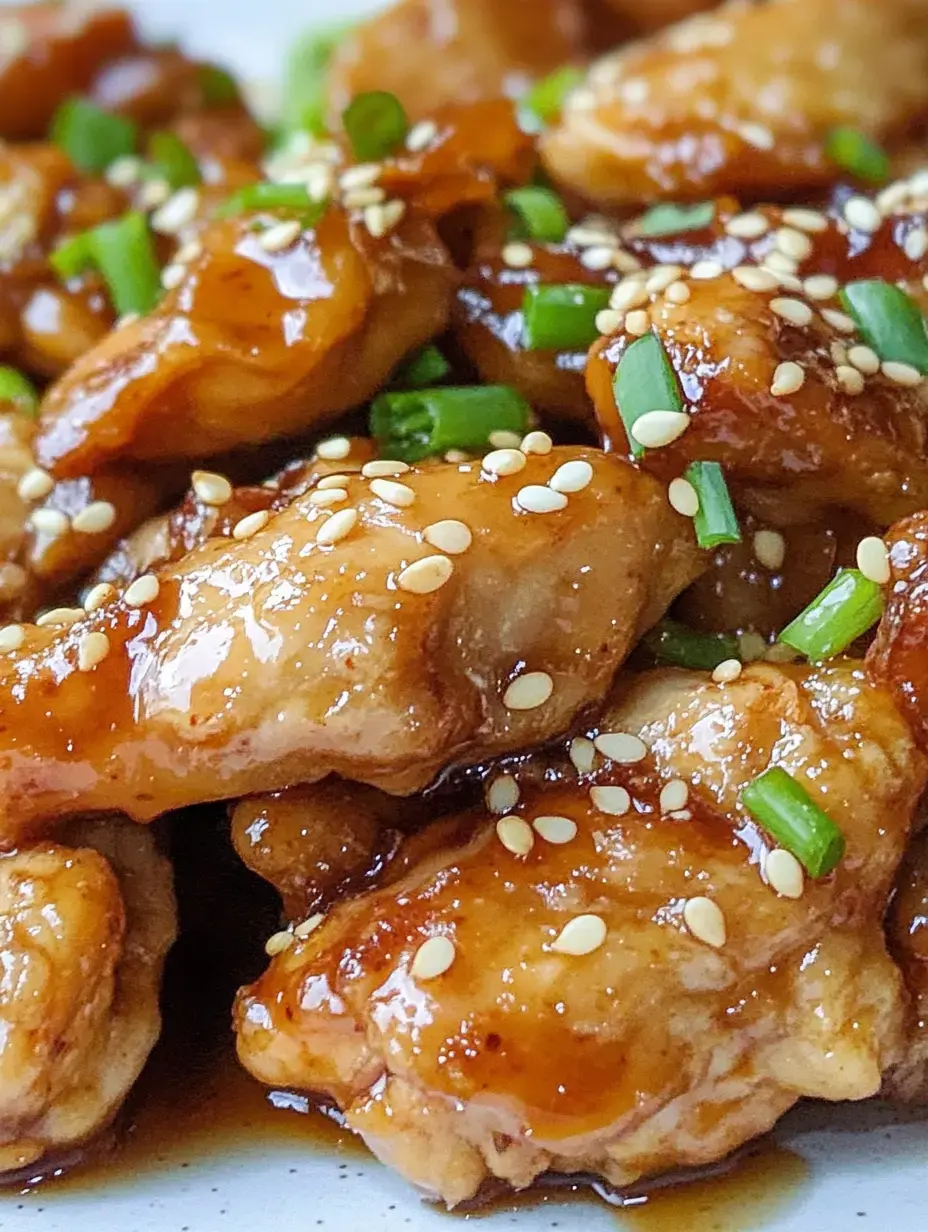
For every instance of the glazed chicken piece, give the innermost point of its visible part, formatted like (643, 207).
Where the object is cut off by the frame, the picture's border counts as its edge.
(86, 921)
(358, 633)
(907, 931)
(657, 13)
(741, 100)
(619, 990)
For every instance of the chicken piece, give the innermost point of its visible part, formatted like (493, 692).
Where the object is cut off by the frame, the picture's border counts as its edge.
(907, 932)
(610, 1020)
(657, 13)
(84, 930)
(741, 100)
(280, 658)
(50, 51)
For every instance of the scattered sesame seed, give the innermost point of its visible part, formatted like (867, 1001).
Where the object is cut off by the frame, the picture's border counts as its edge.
(861, 214)
(304, 929)
(629, 293)
(143, 590)
(327, 481)
(502, 795)
(361, 198)
(538, 499)
(380, 219)
(780, 264)
(706, 269)
(363, 175)
(661, 276)
(770, 549)
(586, 235)
(726, 671)
(282, 235)
(756, 135)
(581, 935)
(382, 468)
(91, 651)
(873, 559)
(504, 462)
(99, 596)
(277, 943)
(154, 193)
(556, 830)
(60, 616)
(571, 476)
(11, 638)
(334, 449)
(637, 323)
(582, 753)
(173, 275)
(502, 438)
(683, 497)
(794, 311)
(806, 220)
(249, 525)
(900, 374)
(124, 172)
(517, 255)
(433, 958)
(421, 135)
(654, 429)
(622, 747)
(625, 262)
(608, 321)
(449, 536)
(322, 498)
(210, 488)
(612, 800)
(915, 244)
(820, 286)
(677, 293)
(784, 873)
(705, 921)
(838, 352)
(674, 796)
(95, 518)
(177, 212)
(752, 278)
(529, 691)
(336, 527)
(794, 244)
(398, 494)
(788, 378)
(850, 380)
(537, 442)
(839, 320)
(35, 485)
(516, 835)
(424, 576)
(865, 359)
(747, 226)
(50, 522)
(598, 258)
(456, 455)
(191, 251)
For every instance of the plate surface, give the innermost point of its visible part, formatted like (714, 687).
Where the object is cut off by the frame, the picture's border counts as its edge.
(828, 1170)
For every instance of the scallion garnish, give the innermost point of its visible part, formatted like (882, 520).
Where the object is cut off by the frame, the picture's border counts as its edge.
(124, 253)
(715, 522)
(678, 644)
(789, 814)
(848, 606)
(18, 389)
(90, 136)
(540, 214)
(375, 123)
(426, 367)
(420, 423)
(545, 99)
(858, 153)
(172, 160)
(645, 381)
(304, 100)
(670, 219)
(72, 256)
(890, 321)
(217, 86)
(270, 196)
(561, 316)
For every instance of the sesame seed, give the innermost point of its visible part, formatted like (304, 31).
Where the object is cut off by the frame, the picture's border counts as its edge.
(277, 943)
(861, 214)
(660, 278)
(706, 269)
(838, 352)
(622, 747)
(421, 135)
(555, 830)
(608, 321)
(282, 235)
(793, 311)
(683, 497)
(361, 176)
(449, 536)
(787, 379)
(96, 518)
(210, 488)
(424, 576)
(625, 262)
(60, 616)
(747, 226)
(581, 935)
(784, 873)
(779, 263)
(754, 279)
(538, 499)
(322, 498)
(334, 449)
(805, 220)
(915, 244)
(124, 172)
(308, 926)
(99, 596)
(328, 481)
(504, 462)
(612, 800)
(629, 293)
(517, 255)
(770, 549)
(336, 527)
(597, 258)
(582, 753)
(537, 442)
(502, 795)
(191, 251)
(456, 455)
(177, 212)
(794, 244)
(850, 380)
(502, 438)
(586, 235)
(756, 135)
(900, 374)
(705, 921)
(571, 477)
(726, 671)
(249, 525)
(677, 293)
(638, 323)
(674, 796)
(873, 559)
(433, 958)
(865, 359)
(173, 275)
(655, 429)
(154, 193)
(379, 219)
(820, 286)
(35, 485)
(529, 691)
(515, 835)
(393, 493)
(91, 651)
(383, 468)
(142, 591)
(839, 320)
(361, 198)
(50, 522)
(11, 638)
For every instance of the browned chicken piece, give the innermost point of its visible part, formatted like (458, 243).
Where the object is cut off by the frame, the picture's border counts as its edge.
(50, 51)
(907, 931)
(358, 634)
(85, 924)
(741, 100)
(617, 988)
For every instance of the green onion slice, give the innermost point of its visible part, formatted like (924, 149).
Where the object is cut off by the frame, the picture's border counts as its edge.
(857, 153)
(890, 321)
(72, 256)
(90, 136)
(173, 160)
(545, 99)
(678, 644)
(645, 381)
(848, 606)
(217, 85)
(375, 123)
(540, 214)
(716, 522)
(420, 423)
(304, 98)
(18, 389)
(427, 367)
(124, 253)
(670, 219)
(789, 814)
(561, 316)
(269, 196)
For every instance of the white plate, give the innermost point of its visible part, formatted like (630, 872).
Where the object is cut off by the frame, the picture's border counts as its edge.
(837, 1170)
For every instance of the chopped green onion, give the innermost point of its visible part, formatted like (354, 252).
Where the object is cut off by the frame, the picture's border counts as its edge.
(546, 97)
(173, 160)
(124, 253)
(268, 196)
(561, 316)
(376, 123)
(420, 423)
(217, 86)
(540, 213)
(848, 606)
(715, 522)
(890, 321)
(789, 814)
(858, 153)
(18, 389)
(72, 256)
(91, 137)
(675, 643)
(670, 219)
(427, 367)
(304, 96)
(645, 381)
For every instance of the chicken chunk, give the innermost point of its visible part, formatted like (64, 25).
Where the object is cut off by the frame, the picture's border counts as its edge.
(84, 930)
(645, 998)
(741, 100)
(907, 931)
(657, 13)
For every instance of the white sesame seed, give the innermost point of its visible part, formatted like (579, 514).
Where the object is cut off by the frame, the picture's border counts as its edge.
(191, 251)
(99, 596)
(504, 462)
(820, 286)
(780, 264)
(516, 835)
(581, 935)
(421, 135)
(753, 278)
(91, 651)
(336, 527)
(705, 921)
(361, 176)
(537, 442)
(582, 753)
(677, 293)
(538, 499)
(608, 321)
(249, 525)
(60, 616)
(795, 245)
(502, 438)
(433, 958)
(586, 235)
(529, 691)
(424, 576)
(861, 214)
(95, 518)
(324, 498)
(661, 276)
(379, 219)
(173, 275)
(873, 559)
(900, 374)
(787, 379)
(838, 352)
(517, 255)
(393, 493)
(865, 359)
(35, 485)
(555, 830)
(282, 235)
(598, 258)
(449, 536)
(154, 193)
(177, 212)
(11, 638)
(756, 135)
(210, 488)
(362, 198)
(637, 323)
(308, 926)
(625, 262)
(654, 429)
(784, 873)
(850, 380)
(612, 800)
(334, 449)
(747, 226)
(277, 943)
(124, 172)
(806, 220)
(383, 468)
(726, 671)
(770, 549)
(706, 269)
(502, 795)
(572, 476)
(839, 320)
(674, 796)
(915, 244)
(683, 497)
(622, 747)
(50, 522)
(793, 311)
(328, 481)
(143, 590)
(629, 293)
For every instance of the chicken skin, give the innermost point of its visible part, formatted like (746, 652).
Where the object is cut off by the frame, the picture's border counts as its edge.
(84, 930)
(645, 999)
